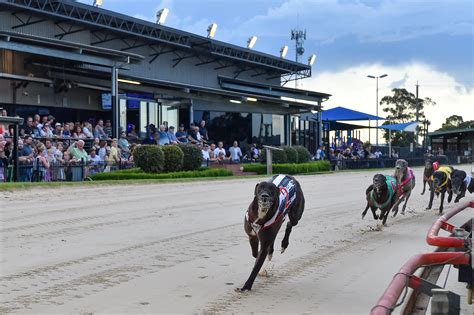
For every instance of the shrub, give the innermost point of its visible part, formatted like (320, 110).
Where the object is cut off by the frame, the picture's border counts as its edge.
(192, 157)
(303, 154)
(291, 154)
(149, 158)
(138, 174)
(290, 169)
(278, 157)
(173, 158)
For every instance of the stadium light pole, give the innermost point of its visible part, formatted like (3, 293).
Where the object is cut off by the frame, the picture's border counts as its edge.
(377, 104)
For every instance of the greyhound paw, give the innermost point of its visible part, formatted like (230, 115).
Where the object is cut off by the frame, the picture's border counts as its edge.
(422, 193)
(242, 290)
(403, 212)
(264, 273)
(363, 216)
(270, 257)
(283, 250)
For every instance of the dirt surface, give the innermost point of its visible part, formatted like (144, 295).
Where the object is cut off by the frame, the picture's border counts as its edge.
(181, 248)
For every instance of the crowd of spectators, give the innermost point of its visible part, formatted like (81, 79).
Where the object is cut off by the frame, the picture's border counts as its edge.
(49, 150)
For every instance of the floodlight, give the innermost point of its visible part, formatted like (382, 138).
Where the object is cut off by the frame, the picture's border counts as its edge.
(98, 3)
(383, 75)
(251, 99)
(283, 51)
(311, 60)
(162, 15)
(251, 42)
(371, 76)
(235, 101)
(211, 30)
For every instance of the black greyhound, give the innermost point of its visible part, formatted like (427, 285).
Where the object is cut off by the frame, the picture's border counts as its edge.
(441, 183)
(273, 201)
(461, 182)
(381, 195)
(430, 169)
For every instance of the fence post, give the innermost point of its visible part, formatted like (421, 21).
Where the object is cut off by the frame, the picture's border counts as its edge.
(38, 179)
(82, 168)
(268, 152)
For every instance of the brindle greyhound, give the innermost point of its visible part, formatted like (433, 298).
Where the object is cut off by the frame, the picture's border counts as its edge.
(441, 184)
(405, 182)
(272, 202)
(381, 195)
(460, 183)
(430, 168)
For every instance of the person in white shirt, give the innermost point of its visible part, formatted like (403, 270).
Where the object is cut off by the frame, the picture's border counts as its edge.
(235, 153)
(378, 154)
(219, 149)
(205, 153)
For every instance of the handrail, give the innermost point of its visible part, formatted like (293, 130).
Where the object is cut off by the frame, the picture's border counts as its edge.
(432, 237)
(388, 300)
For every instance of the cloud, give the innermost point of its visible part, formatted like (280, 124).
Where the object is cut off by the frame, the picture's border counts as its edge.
(369, 21)
(351, 88)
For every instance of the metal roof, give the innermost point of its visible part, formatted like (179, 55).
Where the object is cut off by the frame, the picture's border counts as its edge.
(98, 18)
(450, 132)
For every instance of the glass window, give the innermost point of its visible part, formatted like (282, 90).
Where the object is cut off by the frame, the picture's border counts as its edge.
(278, 129)
(169, 115)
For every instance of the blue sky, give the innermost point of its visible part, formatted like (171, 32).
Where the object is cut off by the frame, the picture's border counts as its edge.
(435, 39)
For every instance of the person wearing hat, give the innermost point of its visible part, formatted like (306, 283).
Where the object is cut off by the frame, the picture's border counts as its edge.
(172, 136)
(182, 135)
(58, 130)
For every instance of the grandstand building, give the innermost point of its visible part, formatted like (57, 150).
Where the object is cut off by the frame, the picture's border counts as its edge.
(78, 62)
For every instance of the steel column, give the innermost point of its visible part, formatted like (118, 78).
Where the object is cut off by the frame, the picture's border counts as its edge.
(115, 104)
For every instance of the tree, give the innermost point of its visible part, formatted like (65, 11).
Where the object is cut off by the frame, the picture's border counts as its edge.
(456, 122)
(401, 108)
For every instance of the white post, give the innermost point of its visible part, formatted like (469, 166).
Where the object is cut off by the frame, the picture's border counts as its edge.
(269, 161)
(390, 143)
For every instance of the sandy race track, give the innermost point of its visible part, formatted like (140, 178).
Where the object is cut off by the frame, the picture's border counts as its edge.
(181, 248)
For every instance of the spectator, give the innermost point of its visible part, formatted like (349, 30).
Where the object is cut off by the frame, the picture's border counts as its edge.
(96, 145)
(172, 136)
(219, 149)
(29, 126)
(77, 152)
(108, 129)
(66, 131)
(132, 134)
(221, 157)
(205, 153)
(87, 129)
(203, 131)
(319, 153)
(163, 136)
(114, 152)
(235, 153)
(182, 135)
(378, 154)
(103, 150)
(58, 130)
(78, 134)
(124, 145)
(193, 135)
(46, 131)
(93, 158)
(3, 164)
(99, 130)
(43, 164)
(212, 156)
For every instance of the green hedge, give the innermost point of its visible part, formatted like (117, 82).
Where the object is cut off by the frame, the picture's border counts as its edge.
(291, 154)
(290, 169)
(138, 174)
(173, 158)
(192, 157)
(149, 158)
(278, 157)
(303, 154)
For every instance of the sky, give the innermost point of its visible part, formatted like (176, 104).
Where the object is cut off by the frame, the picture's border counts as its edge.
(425, 41)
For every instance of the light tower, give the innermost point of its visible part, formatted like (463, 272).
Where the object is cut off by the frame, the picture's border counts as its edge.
(299, 36)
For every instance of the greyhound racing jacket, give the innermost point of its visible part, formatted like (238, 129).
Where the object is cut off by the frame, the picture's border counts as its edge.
(287, 196)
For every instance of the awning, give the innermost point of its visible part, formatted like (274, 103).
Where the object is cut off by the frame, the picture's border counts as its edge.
(344, 114)
(407, 127)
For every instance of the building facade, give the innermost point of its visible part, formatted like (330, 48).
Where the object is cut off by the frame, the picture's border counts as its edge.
(79, 62)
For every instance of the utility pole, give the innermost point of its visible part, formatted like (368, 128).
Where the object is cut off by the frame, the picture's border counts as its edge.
(417, 112)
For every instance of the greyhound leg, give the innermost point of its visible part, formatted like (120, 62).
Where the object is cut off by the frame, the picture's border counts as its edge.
(374, 212)
(450, 196)
(395, 206)
(256, 268)
(286, 239)
(461, 195)
(406, 201)
(443, 194)
(253, 239)
(424, 187)
(365, 211)
(385, 216)
(270, 251)
(432, 192)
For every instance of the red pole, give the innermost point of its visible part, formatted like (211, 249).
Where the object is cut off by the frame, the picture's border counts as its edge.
(441, 241)
(390, 297)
